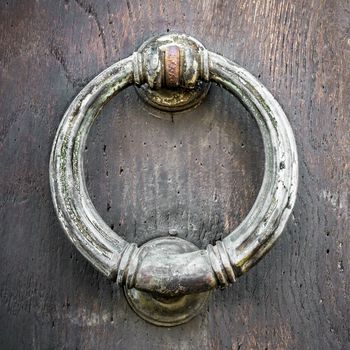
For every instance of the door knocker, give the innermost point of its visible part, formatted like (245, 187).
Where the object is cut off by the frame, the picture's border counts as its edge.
(167, 280)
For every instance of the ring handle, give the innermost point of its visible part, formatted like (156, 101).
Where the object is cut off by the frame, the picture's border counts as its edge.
(173, 62)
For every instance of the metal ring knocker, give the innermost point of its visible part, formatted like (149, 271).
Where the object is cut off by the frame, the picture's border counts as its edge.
(167, 280)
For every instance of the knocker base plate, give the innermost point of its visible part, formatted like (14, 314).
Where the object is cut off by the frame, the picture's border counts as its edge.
(161, 311)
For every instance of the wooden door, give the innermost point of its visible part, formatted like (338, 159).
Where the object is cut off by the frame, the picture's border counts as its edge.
(195, 174)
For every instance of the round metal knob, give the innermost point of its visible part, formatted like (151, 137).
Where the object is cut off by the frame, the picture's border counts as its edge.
(172, 72)
(167, 280)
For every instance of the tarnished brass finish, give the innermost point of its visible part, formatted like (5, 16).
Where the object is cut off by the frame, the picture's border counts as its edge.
(154, 307)
(167, 280)
(172, 72)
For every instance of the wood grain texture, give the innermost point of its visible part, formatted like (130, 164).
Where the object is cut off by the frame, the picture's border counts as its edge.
(195, 174)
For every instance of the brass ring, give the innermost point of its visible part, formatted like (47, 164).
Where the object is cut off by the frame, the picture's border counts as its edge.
(185, 271)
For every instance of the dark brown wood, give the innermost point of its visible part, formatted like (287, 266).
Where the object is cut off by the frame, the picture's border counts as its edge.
(194, 175)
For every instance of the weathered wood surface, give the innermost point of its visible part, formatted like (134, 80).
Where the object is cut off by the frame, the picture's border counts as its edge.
(197, 175)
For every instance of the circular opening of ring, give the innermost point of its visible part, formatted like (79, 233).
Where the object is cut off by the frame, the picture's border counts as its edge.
(195, 176)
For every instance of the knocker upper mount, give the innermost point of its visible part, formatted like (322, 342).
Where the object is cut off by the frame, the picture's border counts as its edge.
(167, 280)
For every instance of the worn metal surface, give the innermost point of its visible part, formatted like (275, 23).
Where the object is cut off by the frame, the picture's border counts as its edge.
(159, 309)
(174, 275)
(167, 71)
(297, 296)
